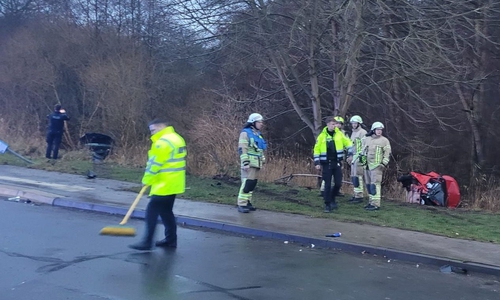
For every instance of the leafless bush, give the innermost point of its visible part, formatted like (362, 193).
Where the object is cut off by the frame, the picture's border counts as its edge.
(213, 141)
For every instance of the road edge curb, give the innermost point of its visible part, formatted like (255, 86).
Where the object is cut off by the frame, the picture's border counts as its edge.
(35, 197)
(336, 244)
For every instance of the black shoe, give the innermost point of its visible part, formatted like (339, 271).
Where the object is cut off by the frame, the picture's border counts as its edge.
(368, 205)
(333, 205)
(243, 209)
(356, 200)
(166, 244)
(250, 207)
(372, 207)
(327, 208)
(143, 246)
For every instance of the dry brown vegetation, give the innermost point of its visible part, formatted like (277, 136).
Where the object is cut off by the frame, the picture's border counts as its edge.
(429, 72)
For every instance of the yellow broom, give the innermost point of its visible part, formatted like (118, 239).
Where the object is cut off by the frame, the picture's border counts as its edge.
(123, 230)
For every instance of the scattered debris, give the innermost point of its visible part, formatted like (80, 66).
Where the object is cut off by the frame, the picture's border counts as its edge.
(336, 234)
(447, 269)
(17, 198)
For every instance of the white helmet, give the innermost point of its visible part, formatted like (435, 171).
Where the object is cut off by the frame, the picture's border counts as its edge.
(356, 119)
(255, 117)
(377, 125)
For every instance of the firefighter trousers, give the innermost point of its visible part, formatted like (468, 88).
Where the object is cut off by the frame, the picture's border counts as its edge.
(248, 183)
(373, 184)
(357, 174)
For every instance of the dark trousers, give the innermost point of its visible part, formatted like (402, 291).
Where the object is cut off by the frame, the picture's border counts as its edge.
(53, 143)
(161, 206)
(330, 170)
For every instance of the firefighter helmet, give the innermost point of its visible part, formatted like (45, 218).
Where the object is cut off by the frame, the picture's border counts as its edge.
(356, 119)
(255, 117)
(339, 119)
(377, 125)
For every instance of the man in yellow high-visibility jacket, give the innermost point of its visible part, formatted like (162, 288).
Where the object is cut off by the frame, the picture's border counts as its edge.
(328, 155)
(166, 175)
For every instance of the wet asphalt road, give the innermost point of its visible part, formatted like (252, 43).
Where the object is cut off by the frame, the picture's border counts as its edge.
(55, 253)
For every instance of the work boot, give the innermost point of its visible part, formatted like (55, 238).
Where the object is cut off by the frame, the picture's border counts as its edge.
(372, 207)
(327, 208)
(143, 246)
(250, 207)
(355, 200)
(166, 244)
(243, 209)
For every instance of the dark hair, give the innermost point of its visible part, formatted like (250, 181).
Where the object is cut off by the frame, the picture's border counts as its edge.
(329, 119)
(159, 121)
(57, 107)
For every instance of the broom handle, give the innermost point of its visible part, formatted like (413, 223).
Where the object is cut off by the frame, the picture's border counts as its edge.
(132, 207)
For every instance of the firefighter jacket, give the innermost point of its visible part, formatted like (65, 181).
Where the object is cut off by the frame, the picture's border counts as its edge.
(376, 150)
(340, 141)
(356, 137)
(166, 167)
(251, 146)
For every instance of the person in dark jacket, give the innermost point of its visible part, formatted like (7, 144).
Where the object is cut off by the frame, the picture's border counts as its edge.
(55, 131)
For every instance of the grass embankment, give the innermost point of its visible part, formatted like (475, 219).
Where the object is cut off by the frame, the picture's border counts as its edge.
(459, 223)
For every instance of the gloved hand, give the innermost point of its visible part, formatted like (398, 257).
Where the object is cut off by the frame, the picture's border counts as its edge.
(246, 167)
(318, 167)
(362, 160)
(349, 160)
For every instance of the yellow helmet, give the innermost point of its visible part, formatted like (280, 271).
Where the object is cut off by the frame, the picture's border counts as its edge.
(339, 119)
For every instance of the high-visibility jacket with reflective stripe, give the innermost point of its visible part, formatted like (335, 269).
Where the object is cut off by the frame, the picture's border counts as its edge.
(341, 142)
(251, 153)
(166, 167)
(377, 150)
(356, 136)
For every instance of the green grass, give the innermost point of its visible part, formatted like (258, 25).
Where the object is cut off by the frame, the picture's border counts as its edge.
(465, 224)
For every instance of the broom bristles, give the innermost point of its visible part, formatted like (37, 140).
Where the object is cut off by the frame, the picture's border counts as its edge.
(120, 231)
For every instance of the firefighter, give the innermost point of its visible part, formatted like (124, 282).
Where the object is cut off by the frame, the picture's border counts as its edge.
(328, 155)
(357, 172)
(251, 147)
(375, 157)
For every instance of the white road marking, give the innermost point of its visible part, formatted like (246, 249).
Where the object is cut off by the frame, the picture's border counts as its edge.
(62, 187)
